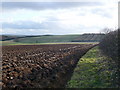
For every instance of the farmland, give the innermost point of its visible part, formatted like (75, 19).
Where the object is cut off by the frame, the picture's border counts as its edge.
(11, 42)
(59, 44)
(52, 38)
(41, 66)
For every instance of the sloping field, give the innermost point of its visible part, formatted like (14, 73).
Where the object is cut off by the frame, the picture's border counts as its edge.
(10, 37)
(40, 66)
(62, 38)
(47, 39)
(54, 38)
(89, 38)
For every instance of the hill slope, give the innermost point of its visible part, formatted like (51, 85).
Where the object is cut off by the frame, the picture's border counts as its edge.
(47, 39)
(55, 38)
(9, 37)
(89, 38)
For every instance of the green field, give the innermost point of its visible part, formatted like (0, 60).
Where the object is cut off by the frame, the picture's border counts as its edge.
(53, 38)
(92, 71)
(11, 42)
(48, 39)
(42, 39)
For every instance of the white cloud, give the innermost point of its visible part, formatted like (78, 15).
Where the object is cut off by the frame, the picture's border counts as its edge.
(67, 20)
(0, 30)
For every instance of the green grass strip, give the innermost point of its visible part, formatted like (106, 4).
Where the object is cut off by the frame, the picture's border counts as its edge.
(92, 71)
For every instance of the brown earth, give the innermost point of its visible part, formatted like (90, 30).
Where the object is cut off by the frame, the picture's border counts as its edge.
(40, 66)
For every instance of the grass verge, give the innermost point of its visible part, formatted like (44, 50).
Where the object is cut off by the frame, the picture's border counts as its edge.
(92, 71)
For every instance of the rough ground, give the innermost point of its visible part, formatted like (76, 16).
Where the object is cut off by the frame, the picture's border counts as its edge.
(40, 66)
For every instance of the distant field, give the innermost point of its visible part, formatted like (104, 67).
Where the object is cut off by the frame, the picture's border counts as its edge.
(52, 38)
(47, 39)
(11, 42)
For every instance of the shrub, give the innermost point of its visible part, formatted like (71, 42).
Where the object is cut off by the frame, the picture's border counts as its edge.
(109, 46)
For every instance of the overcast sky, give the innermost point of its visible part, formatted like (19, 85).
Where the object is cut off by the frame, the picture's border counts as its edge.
(38, 18)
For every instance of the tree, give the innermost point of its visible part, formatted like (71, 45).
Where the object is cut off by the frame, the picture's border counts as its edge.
(106, 30)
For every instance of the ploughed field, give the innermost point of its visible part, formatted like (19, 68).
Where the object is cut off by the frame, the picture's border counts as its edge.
(40, 66)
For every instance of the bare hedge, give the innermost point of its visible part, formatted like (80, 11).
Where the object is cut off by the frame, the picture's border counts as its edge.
(109, 46)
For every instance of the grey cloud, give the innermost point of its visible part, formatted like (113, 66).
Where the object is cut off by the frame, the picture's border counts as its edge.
(102, 12)
(46, 5)
(22, 25)
(30, 25)
(34, 28)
